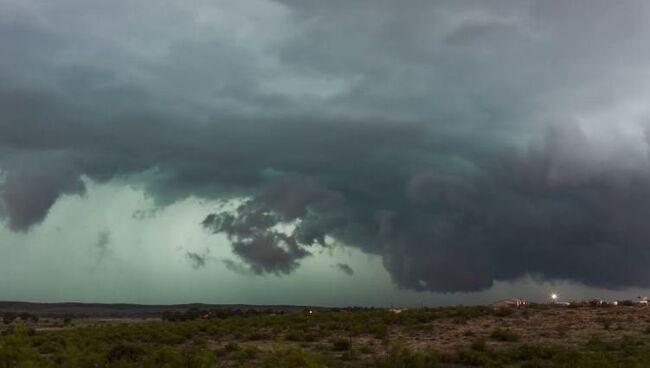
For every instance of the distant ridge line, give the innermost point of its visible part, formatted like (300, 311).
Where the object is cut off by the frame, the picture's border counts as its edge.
(128, 309)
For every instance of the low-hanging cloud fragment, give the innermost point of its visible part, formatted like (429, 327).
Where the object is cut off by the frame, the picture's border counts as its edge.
(198, 259)
(464, 143)
(238, 267)
(29, 191)
(102, 243)
(252, 229)
(345, 268)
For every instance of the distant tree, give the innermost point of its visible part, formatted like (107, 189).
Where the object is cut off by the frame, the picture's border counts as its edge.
(26, 317)
(9, 317)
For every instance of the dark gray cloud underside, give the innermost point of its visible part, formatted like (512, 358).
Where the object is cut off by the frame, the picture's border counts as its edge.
(464, 143)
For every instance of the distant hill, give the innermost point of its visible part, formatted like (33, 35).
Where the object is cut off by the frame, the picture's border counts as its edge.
(122, 310)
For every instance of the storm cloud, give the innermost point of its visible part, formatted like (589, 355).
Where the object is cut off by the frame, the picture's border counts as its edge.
(465, 143)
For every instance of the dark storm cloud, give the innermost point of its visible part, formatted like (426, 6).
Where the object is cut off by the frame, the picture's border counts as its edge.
(464, 142)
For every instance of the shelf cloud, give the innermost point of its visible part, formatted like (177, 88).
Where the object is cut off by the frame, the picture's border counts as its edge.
(464, 143)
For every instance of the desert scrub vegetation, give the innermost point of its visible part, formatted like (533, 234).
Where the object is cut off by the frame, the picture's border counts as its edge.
(427, 337)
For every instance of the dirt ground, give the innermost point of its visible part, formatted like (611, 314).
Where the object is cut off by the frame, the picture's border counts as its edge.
(559, 325)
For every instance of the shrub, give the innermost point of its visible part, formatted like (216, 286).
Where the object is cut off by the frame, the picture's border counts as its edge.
(379, 330)
(197, 358)
(292, 358)
(365, 349)
(341, 344)
(9, 317)
(504, 312)
(164, 357)
(595, 342)
(128, 353)
(255, 336)
(245, 354)
(231, 346)
(504, 335)
(479, 345)
(606, 322)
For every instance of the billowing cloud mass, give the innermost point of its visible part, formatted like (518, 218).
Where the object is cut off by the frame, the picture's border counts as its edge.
(463, 142)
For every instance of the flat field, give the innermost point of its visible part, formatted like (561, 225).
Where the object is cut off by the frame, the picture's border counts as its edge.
(533, 336)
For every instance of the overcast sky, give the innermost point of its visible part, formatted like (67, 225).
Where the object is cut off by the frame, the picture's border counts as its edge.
(324, 152)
